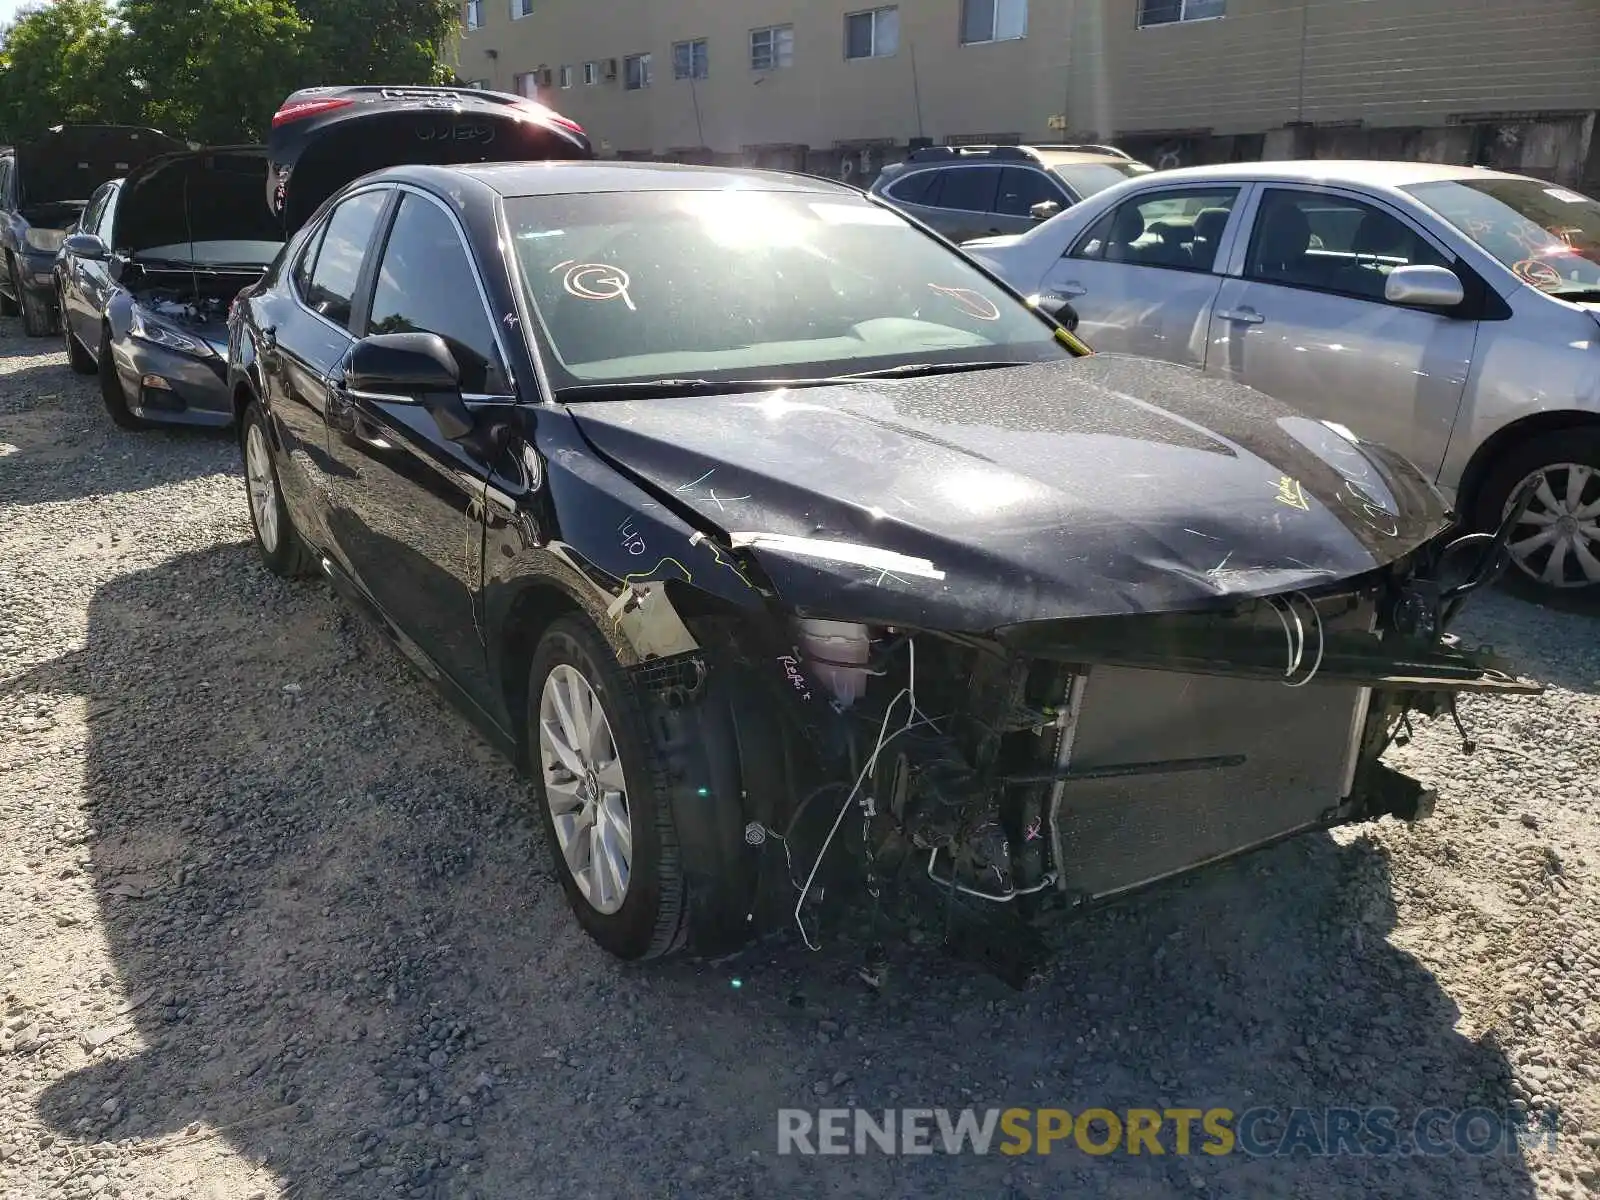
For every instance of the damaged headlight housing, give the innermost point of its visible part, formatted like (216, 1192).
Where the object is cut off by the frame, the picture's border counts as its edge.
(143, 327)
(47, 241)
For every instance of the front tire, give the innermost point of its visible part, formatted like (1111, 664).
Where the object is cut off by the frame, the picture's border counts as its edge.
(604, 796)
(1555, 550)
(111, 393)
(78, 358)
(277, 541)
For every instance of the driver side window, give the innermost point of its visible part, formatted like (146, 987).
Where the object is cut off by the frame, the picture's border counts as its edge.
(426, 284)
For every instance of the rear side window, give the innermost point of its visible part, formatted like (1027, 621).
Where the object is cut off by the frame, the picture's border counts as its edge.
(1021, 189)
(1178, 230)
(970, 189)
(426, 285)
(5, 182)
(331, 288)
(915, 189)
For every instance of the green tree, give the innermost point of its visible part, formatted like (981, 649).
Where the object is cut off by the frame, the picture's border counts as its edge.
(379, 41)
(214, 69)
(55, 67)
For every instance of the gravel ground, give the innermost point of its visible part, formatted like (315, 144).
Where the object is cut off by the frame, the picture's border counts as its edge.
(274, 923)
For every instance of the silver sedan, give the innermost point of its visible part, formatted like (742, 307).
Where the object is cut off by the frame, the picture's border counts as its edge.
(1450, 312)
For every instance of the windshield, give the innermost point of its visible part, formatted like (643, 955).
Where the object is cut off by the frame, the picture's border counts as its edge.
(730, 284)
(1548, 235)
(214, 254)
(1087, 178)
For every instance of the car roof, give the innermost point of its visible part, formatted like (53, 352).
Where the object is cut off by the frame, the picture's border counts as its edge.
(1357, 172)
(577, 176)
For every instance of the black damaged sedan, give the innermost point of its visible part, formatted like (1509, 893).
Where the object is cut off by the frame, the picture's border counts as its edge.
(781, 543)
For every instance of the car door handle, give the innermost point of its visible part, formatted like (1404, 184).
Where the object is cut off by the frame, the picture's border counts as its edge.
(1071, 290)
(1244, 316)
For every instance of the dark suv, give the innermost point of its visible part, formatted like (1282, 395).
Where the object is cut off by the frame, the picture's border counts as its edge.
(974, 191)
(45, 183)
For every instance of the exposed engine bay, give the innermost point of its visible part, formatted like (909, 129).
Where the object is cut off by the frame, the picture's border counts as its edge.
(1052, 764)
(191, 298)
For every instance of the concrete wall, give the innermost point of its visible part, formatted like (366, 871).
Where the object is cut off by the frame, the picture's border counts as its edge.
(1513, 83)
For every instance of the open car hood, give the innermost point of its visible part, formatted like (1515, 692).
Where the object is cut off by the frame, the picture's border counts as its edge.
(207, 195)
(323, 138)
(1102, 486)
(68, 162)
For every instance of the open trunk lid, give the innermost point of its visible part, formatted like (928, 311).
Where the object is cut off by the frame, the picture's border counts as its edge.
(323, 138)
(66, 163)
(198, 205)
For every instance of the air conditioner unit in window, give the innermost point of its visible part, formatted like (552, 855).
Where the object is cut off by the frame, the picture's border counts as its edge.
(611, 68)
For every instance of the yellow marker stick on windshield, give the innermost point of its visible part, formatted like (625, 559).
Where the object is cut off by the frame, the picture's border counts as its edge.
(1072, 342)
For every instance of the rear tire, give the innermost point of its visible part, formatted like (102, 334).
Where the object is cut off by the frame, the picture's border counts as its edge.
(651, 920)
(279, 544)
(78, 358)
(37, 320)
(1556, 551)
(111, 393)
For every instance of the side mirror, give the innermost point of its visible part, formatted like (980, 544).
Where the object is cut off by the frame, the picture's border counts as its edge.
(1058, 308)
(1424, 287)
(1044, 210)
(412, 366)
(86, 246)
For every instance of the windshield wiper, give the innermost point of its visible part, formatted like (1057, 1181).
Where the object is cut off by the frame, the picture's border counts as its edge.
(627, 389)
(913, 370)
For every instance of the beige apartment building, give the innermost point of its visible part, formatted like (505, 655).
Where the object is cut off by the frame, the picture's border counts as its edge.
(840, 86)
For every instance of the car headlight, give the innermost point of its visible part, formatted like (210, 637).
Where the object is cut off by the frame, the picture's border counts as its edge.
(143, 328)
(47, 240)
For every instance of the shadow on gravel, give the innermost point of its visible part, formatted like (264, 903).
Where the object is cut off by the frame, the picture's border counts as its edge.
(347, 954)
(46, 459)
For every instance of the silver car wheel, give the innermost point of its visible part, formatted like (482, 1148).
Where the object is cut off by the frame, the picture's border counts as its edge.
(263, 487)
(1557, 541)
(585, 788)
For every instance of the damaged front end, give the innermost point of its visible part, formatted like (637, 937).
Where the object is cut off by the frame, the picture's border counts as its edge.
(1048, 764)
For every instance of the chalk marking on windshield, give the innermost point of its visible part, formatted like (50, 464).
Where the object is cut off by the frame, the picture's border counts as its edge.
(584, 280)
(696, 483)
(970, 301)
(1291, 493)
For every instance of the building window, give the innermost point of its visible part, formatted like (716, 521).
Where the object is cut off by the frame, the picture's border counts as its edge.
(636, 72)
(591, 72)
(474, 14)
(772, 47)
(526, 84)
(1170, 12)
(479, 85)
(874, 34)
(993, 20)
(520, 9)
(566, 77)
(691, 60)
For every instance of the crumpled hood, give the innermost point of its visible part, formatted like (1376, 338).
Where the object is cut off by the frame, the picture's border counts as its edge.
(1099, 486)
